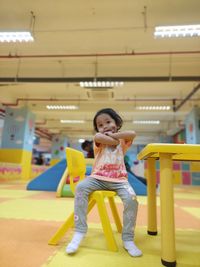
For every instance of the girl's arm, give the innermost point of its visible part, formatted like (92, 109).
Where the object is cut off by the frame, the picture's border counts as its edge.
(126, 135)
(100, 138)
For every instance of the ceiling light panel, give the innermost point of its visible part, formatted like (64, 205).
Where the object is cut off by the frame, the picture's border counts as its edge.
(62, 107)
(147, 122)
(16, 37)
(177, 31)
(153, 108)
(72, 121)
(101, 84)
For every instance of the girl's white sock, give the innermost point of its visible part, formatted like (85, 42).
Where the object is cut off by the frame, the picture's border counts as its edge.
(75, 242)
(132, 249)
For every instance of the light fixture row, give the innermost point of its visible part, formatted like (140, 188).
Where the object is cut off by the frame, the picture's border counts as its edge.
(160, 31)
(147, 122)
(108, 84)
(149, 108)
(61, 107)
(72, 121)
(16, 37)
(177, 31)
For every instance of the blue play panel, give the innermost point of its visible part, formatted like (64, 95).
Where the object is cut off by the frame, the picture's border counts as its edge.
(139, 187)
(48, 180)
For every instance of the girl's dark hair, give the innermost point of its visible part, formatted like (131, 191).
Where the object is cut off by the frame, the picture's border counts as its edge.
(118, 120)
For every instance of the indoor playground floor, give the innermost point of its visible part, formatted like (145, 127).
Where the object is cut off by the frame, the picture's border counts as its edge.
(28, 219)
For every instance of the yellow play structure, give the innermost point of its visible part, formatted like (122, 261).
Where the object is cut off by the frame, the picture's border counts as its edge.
(76, 167)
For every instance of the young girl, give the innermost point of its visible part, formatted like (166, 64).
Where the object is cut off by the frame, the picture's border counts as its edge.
(109, 173)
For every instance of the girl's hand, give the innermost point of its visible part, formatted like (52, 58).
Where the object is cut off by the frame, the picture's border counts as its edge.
(126, 135)
(111, 134)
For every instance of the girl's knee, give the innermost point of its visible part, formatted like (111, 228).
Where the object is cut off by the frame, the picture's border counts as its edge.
(80, 187)
(131, 200)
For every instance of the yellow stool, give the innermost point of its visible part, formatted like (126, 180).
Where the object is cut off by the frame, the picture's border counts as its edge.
(76, 167)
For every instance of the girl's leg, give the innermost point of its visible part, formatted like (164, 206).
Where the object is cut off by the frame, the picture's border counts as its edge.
(83, 189)
(128, 197)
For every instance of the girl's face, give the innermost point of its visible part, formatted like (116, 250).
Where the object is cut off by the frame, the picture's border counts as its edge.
(105, 124)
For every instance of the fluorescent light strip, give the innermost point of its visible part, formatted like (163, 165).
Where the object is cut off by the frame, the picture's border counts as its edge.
(72, 121)
(100, 84)
(16, 37)
(149, 108)
(177, 31)
(146, 122)
(68, 107)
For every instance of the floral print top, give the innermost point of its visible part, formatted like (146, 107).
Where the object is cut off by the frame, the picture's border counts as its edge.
(109, 162)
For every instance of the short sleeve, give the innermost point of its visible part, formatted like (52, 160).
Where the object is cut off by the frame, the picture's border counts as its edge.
(96, 148)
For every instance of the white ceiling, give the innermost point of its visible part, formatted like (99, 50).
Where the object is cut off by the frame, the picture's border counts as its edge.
(113, 39)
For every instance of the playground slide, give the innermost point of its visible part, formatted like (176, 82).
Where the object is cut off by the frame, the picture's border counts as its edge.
(48, 180)
(139, 187)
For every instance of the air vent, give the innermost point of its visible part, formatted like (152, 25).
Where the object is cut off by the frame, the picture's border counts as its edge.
(98, 93)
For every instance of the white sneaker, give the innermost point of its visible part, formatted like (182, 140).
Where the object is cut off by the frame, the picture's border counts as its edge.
(132, 249)
(75, 242)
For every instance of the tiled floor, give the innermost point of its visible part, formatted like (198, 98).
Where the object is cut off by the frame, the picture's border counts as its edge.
(28, 219)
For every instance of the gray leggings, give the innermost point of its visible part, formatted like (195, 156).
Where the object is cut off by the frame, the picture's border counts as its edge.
(125, 192)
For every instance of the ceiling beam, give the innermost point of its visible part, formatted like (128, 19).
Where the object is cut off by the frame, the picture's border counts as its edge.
(82, 79)
(95, 55)
(194, 90)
